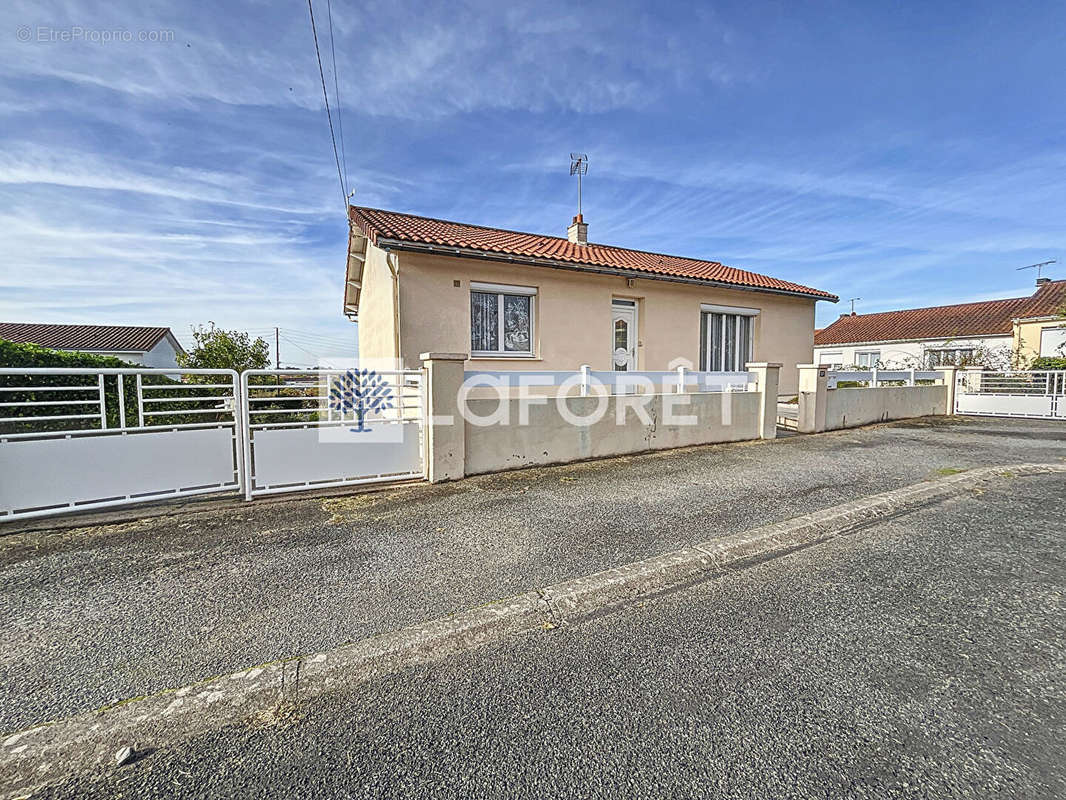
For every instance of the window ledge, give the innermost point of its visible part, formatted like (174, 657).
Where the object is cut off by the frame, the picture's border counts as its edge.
(503, 357)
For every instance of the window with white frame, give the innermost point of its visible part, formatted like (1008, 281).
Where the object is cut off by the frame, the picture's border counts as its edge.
(867, 359)
(726, 335)
(501, 320)
(831, 360)
(950, 356)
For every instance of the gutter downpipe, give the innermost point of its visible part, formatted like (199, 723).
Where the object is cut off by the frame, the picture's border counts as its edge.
(392, 261)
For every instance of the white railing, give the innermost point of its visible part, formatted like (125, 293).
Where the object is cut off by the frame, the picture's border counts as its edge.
(873, 378)
(127, 400)
(84, 438)
(1013, 383)
(586, 381)
(296, 426)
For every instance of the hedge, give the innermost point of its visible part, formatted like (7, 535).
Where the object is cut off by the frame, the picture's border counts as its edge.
(1048, 362)
(29, 356)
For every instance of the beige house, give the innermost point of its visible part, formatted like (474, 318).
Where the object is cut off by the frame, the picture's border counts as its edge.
(522, 301)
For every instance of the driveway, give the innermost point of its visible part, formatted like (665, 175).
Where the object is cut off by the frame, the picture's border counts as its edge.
(95, 615)
(922, 657)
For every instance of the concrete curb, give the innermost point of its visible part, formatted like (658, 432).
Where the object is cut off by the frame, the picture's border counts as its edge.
(46, 752)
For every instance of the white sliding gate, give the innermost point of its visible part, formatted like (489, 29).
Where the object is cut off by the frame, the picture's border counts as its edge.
(73, 439)
(311, 429)
(1039, 394)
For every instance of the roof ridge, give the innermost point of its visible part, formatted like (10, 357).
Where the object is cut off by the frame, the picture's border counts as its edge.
(564, 239)
(932, 308)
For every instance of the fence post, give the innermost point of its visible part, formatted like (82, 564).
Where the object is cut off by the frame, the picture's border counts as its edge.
(910, 379)
(445, 433)
(949, 379)
(585, 380)
(873, 377)
(680, 380)
(813, 396)
(973, 379)
(768, 375)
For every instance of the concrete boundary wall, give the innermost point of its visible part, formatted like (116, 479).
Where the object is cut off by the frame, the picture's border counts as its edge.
(473, 435)
(849, 408)
(550, 438)
(824, 409)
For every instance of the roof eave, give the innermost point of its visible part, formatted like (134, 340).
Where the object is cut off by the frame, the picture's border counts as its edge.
(917, 339)
(540, 261)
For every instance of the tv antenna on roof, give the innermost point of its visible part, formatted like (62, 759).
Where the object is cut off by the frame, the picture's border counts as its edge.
(1038, 267)
(579, 165)
(852, 301)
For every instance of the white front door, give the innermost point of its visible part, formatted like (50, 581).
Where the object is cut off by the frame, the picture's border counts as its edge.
(624, 335)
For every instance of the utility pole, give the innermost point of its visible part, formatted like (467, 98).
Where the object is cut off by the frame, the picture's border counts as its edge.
(277, 349)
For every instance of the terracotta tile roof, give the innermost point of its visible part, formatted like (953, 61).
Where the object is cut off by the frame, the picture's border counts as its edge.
(126, 338)
(407, 228)
(988, 318)
(1049, 300)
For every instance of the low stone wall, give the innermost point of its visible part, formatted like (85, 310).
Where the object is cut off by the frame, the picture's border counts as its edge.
(850, 408)
(551, 438)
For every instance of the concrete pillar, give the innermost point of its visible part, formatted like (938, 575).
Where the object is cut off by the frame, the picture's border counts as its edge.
(948, 375)
(445, 431)
(768, 376)
(813, 395)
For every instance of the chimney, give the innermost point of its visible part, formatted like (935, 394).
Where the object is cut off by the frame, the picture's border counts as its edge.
(1039, 281)
(578, 232)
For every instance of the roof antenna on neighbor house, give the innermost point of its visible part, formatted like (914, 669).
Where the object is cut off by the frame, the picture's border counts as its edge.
(578, 232)
(1040, 280)
(852, 301)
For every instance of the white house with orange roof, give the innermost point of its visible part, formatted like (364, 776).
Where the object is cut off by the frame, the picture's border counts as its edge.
(993, 333)
(525, 301)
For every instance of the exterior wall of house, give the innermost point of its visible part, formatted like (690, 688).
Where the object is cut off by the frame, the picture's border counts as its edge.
(378, 344)
(133, 358)
(903, 355)
(572, 316)
(1027, 338)
(164, 354)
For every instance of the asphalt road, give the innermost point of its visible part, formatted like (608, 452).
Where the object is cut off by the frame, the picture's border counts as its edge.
(921, 657)
(99, 614)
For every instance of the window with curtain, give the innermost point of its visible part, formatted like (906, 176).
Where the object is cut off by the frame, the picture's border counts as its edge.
(868, 359)
(501, 320)
(726, 341)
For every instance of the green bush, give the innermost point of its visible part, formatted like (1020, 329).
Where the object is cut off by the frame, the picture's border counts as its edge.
(1048, 362)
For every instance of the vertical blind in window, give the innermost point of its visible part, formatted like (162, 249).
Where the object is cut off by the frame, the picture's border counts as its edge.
(725, 342)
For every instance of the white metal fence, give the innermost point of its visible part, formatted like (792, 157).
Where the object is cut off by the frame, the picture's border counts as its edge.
(586, 381)
(1039, 394)
(305, 429)
(92, 438)
(873, 378)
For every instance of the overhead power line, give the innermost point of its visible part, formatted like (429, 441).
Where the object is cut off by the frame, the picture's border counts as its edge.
(329, 116)
(337, 96)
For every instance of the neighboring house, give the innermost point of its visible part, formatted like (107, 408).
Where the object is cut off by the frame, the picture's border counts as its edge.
(152, 347)
(523, 301)
(993, 333)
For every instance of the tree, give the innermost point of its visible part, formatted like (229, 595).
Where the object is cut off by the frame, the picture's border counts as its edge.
(220, 349)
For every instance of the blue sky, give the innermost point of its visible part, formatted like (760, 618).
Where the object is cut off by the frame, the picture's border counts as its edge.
(905, 153)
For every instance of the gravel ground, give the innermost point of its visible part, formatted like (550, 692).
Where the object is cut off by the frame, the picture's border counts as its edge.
(99, 614)
(923, 657)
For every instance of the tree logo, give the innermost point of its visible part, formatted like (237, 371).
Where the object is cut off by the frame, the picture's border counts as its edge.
(360, 392)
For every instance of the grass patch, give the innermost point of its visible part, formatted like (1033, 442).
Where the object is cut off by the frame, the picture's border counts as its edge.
(943, 472)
